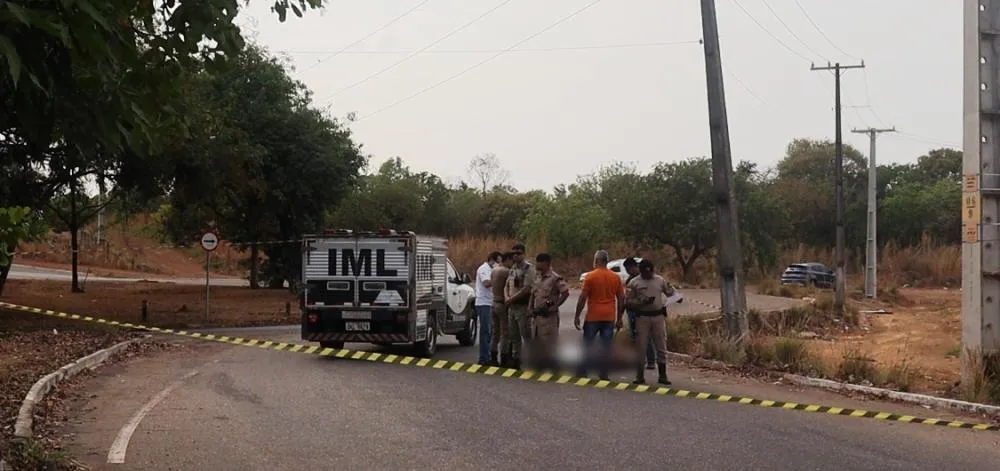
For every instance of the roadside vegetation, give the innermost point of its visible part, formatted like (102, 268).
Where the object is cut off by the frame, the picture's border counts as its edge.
(169, 122)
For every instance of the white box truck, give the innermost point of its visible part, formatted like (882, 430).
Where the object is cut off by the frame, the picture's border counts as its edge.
(384, 287)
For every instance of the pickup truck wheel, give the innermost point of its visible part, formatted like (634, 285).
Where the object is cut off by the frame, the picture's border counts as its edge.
(428, 347)
(467, 337)
(332, 344)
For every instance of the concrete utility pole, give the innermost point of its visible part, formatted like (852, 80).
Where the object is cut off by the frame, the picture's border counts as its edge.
(871, 244)
(730, 257)
(981, 182)
(839, 172)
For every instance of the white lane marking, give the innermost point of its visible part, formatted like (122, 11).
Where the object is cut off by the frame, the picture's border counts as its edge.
(116, 455)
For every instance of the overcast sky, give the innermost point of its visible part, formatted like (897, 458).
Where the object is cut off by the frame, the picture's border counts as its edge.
(621, 80)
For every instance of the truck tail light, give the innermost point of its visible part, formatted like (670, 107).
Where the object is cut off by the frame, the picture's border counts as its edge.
(312, 318)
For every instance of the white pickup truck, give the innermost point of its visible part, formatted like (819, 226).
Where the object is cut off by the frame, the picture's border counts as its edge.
(384, 287)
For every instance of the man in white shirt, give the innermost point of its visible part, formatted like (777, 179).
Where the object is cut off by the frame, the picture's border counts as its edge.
(484, 305)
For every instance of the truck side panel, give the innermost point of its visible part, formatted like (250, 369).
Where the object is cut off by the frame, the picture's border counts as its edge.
(431, 282)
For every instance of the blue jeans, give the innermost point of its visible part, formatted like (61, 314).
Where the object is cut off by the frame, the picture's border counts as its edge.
(591, 330)
(485, 314)
(650, 350)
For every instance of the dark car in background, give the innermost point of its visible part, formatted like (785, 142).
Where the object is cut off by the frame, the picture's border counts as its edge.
(808, 274)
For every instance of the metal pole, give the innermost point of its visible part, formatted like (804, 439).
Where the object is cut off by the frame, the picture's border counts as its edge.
(839, 176)
(208, 255)
(730, 259)
(871, 243)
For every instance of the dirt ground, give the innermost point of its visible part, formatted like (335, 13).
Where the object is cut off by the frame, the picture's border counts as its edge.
(925, 333)
(168, 304)
(131, 246)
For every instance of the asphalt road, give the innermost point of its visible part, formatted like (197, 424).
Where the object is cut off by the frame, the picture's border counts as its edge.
(245, 408)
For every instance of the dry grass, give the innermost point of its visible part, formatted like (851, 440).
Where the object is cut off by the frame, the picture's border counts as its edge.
(168, 305)
(984, 377)
(133, 246)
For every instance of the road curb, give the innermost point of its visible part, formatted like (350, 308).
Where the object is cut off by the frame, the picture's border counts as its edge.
(921, 399)
(23, 426)
(837, 386)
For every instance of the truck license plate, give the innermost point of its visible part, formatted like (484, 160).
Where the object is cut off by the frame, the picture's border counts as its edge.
(356, 315)
(358, 326)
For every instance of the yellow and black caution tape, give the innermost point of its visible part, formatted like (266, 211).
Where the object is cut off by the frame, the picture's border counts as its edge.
(527, 375)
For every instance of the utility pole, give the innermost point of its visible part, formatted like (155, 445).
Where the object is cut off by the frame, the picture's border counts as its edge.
(980, 184)
(839, 175)
(730, 257)
(871, 244)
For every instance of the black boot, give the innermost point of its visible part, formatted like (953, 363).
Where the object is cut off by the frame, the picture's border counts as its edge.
(661, 368)
(493, 360)
(640, 375)
(515, 362)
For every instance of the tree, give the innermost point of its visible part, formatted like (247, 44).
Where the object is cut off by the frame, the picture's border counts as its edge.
(89, 86)
(17, 224)
(264, 165)
(805, 185)
(568, 222)
(677, 210)
(762, 217)
(486, 171)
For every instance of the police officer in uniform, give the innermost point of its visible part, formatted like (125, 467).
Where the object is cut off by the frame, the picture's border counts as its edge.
(646, 294)
(519, 282)
(500, 341)
(548, 292)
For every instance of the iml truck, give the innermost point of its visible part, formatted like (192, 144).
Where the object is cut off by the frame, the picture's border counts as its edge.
(384, 287)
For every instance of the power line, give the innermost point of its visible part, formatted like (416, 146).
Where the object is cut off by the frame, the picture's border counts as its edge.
(820, 31)
(482, 62)
(787, 28)
(744, 86)
(373, 33)
(769, 33)
(537, 49)
(413, 54)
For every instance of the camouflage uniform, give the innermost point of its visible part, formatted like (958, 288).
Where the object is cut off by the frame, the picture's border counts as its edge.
(545, 293)
(521, 275)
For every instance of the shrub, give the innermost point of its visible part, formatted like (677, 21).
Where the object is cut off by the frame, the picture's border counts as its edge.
(856, 367)
(718, 347)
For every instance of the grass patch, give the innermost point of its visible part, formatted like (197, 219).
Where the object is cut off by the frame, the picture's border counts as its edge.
(718, 347)
(682, 335)
(857, 367)
(900, 376)
(955, 351)
(30, 454)
(983, 383)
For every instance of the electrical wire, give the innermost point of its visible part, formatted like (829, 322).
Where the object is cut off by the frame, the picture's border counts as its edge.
(373, 33)
(413, 54)
(796, 36)
(482, 62)
(820, 31)
(769, 33)
(538, 49)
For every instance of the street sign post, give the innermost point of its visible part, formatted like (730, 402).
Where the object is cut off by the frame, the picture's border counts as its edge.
(209, 242)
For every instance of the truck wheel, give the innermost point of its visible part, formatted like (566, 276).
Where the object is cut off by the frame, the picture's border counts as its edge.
(467, 337)
(332, 344)
(428, 347)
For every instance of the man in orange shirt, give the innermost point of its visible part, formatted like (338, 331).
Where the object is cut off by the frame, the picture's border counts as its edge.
(604, 297)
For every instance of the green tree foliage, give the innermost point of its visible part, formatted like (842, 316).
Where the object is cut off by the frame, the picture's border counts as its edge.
(17, 224)
(89, 93)
(569, 222)
(263, 165)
